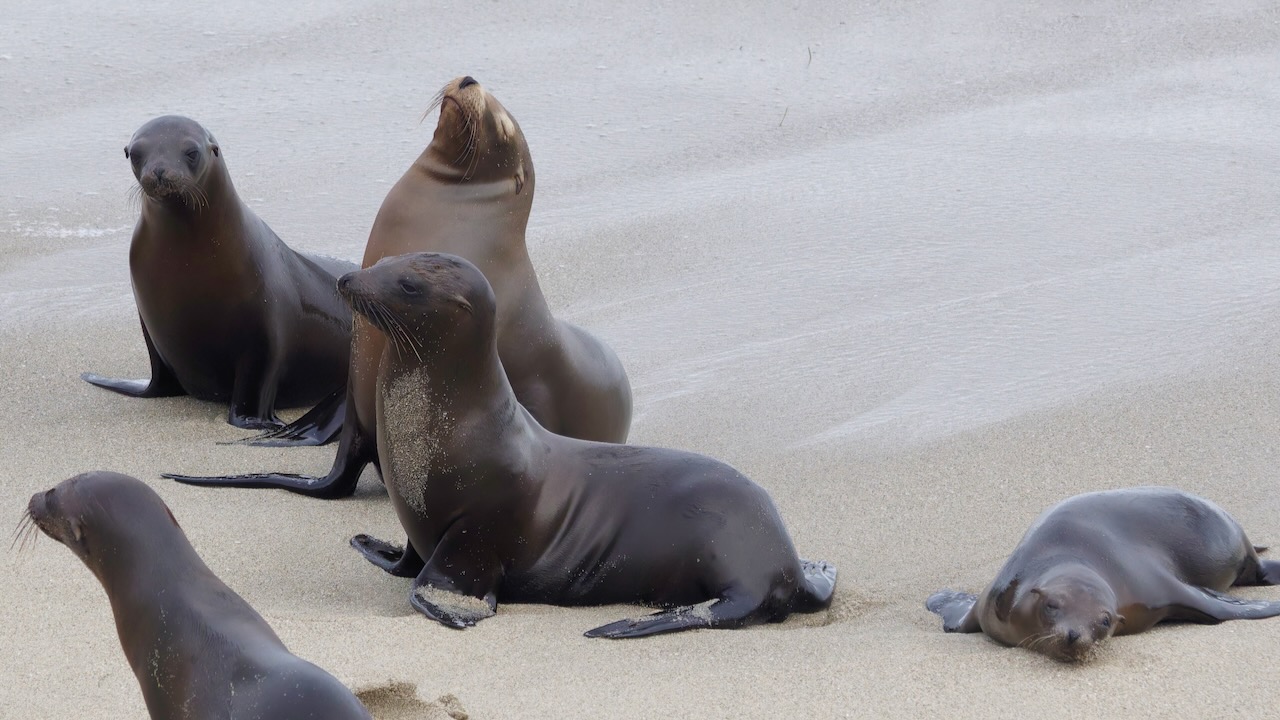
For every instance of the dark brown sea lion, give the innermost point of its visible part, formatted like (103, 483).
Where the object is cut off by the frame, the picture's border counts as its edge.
(1114, 563)
(199, 651)
(469, 194)
(504, 509)
(229, 313)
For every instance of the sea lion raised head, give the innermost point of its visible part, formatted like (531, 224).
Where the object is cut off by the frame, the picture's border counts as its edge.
(477, 140)
(95, 514)
(171, 156)
(197, 648)
(425, 303)
(1066, 614)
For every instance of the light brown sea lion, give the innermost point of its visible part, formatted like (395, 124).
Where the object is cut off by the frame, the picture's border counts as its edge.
(503, 509)
(1114, 563)
(229, 313)
(469, 194)
(199, 651)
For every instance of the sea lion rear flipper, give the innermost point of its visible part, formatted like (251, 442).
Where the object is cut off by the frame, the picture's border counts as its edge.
(958, 610)
(731, 611)
(355, 451)
(816, 588)
(1202, 605)
(320, 425)
(163, 382)
(395, 560)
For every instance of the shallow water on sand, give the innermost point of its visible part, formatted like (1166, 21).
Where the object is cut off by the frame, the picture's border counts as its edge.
(871, 254)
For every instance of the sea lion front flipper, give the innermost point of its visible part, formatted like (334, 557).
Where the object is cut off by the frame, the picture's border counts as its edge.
(355, 451)
(163, 382)
(253, 396)
(393, 559)
(958, 610)
(320, 425)
(1210, 607)
(457, 587)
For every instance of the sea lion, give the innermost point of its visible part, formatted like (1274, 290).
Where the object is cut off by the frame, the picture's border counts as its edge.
(229, 313)
(501, 508)
(199, 651)
(1114, 563)
(469, 193)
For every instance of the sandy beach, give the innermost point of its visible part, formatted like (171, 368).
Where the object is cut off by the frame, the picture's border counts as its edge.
(919, 269)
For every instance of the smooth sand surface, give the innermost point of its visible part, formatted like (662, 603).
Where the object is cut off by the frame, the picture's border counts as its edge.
(920, 269)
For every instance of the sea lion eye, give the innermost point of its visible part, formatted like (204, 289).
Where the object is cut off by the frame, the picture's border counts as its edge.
(193, 155)
(408, 288)
(1106, 621)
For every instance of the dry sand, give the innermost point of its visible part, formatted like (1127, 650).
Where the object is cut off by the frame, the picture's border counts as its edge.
(919, 268)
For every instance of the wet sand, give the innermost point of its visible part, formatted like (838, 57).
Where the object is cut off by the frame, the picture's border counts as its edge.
(920, 271)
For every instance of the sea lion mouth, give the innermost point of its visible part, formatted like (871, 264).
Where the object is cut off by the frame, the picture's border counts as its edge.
(37, 517)
(1073, 653)
(364, 302)
(170, 190)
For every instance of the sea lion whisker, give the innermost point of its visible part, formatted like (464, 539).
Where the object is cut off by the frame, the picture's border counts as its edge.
(409, 338)
(21, 527)
(469, 147)
(435, 103)
(134, 197)
(384, 323)
(402, 330)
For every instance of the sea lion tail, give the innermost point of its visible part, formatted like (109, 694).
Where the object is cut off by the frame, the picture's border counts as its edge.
(817, 588)
(320, 425)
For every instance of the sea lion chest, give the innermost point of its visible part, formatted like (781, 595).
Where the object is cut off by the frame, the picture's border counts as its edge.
(414, 429)
(200, 294)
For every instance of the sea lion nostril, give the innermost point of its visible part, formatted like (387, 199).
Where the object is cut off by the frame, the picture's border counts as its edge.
(1073, 637)
(467, 82)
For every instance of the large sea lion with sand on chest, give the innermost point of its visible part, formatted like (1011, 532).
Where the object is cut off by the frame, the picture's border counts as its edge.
(469, 193)
(501, 509)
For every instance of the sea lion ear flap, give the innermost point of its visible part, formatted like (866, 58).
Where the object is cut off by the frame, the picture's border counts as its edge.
(126, 152)
(519, 179)
(216, 151)
(464, 304)
(171, 517)
(1004, 601)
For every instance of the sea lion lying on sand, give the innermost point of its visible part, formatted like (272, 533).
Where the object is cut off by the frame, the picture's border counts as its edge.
(1114, 563)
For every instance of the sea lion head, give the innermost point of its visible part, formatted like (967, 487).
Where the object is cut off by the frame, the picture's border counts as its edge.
(171, 156)
(478, 140)
(96, 514)
(1067, 614)
(427, 304)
